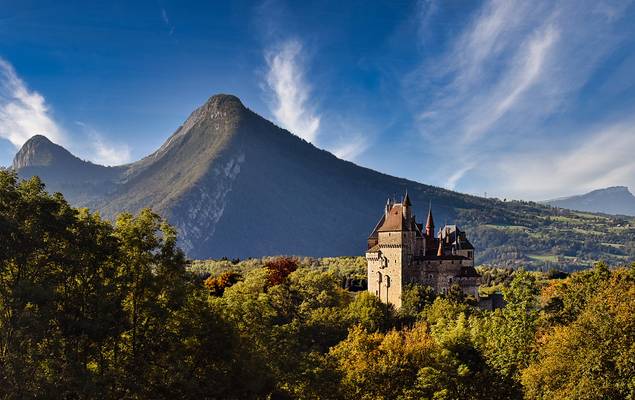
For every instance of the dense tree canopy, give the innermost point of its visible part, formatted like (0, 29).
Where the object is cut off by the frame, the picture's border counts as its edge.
(96, 309)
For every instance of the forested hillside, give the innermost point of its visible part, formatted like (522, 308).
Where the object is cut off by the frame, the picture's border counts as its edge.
(94, 309)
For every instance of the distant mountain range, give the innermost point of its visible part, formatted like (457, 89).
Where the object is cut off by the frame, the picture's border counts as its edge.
(236, 185)
(613, 200)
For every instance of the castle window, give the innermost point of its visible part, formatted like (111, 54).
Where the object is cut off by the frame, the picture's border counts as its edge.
(379, 277)
(387, 281)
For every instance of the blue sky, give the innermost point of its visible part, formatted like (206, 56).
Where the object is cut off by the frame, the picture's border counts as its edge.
(528, 100)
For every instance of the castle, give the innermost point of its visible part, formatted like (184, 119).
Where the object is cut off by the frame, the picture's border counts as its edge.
(400, 252)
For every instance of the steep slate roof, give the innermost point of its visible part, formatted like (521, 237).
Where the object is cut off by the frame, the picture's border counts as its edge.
(395, 220)
(374, 234)
(373, 249)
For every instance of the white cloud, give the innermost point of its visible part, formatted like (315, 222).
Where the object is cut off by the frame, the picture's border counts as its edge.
(456, 176)
(23, 113)
(488, 70)
(491, 93)
(285, 78)
(353, 147)
(514, 83)
(484, 40)
(600, 158)
(102, 151)
(292, 107)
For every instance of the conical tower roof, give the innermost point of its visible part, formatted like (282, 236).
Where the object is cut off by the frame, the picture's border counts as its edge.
(406, 199)
(430, 221)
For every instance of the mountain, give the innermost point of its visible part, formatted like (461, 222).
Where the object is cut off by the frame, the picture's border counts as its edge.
(79, 180)
(236, 185)
(612, 200)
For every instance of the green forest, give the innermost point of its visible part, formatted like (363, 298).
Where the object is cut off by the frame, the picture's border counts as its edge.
(92, 308)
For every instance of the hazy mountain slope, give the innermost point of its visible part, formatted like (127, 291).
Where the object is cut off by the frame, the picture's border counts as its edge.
(236, 185)
(81, 181)
(613, 200)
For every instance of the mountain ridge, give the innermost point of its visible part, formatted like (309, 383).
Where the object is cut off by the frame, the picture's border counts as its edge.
(234, 184)
(616, 200)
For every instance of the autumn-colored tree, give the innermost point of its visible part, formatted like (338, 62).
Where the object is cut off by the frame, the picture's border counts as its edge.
(414, 364)
(217, 284)
(279, 269)
(594, 356)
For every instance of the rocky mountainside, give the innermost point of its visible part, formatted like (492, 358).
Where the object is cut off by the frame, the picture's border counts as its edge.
(236, 185)
(612, 200)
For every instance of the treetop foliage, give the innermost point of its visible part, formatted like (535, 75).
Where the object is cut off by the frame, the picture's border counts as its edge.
(96, 309)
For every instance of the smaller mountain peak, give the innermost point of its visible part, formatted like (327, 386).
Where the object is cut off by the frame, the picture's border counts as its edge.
(38, 140)
(39, 151)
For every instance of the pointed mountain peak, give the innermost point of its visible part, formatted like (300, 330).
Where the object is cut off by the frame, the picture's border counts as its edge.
(220, 105)
(224, 107)
(224, 100)
(39, 151)
(38, 140)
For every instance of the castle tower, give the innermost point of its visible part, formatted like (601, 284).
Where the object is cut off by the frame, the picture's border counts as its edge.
(394, 249)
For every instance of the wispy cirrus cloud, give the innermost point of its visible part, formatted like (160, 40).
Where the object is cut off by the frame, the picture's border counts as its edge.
(23, 112)
(513, 67)
(603, 157)
(515, 82)
(352, 147)
(286, 81)
(166, 21)
(291, 103)
(103, 151)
